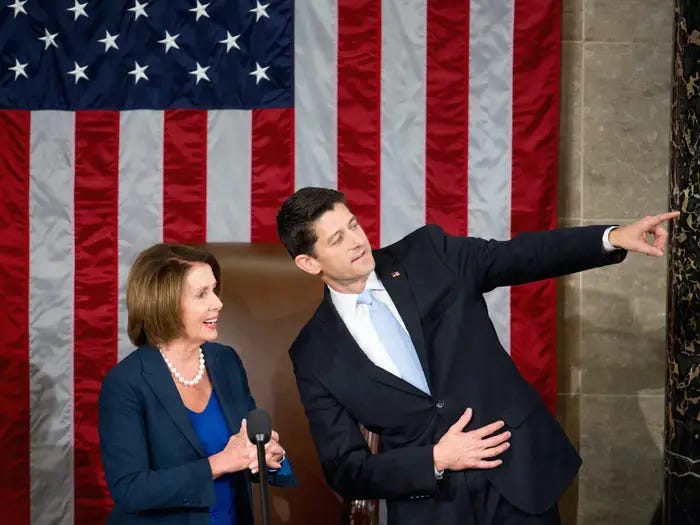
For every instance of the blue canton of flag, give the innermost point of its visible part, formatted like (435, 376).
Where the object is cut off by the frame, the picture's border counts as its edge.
(160, 54)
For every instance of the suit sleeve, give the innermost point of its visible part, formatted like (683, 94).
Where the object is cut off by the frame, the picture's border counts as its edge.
(124, 445)
(348, 465)
(525, 258)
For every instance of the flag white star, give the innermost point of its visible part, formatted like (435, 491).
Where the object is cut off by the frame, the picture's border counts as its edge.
(139, 9)
(78, 72)
(260, 11)
(78, 10)
(200, 10)
(200, 73)
(259, 73)
(18, 6)
(139, 72)
(109, 41)
(230, 41)
(49, 39)
(18, 68)
(169, 41)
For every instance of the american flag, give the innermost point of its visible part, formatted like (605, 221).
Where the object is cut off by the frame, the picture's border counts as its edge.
(124, 123)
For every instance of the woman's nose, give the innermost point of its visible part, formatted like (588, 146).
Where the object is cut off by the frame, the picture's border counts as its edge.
(218, 305)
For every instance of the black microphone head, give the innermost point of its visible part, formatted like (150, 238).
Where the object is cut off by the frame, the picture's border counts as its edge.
(259, 426)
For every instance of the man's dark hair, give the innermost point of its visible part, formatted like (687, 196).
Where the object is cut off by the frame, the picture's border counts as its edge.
(297, 215)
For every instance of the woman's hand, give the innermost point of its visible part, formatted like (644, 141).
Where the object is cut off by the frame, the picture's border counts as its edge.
(235, 456)
(274, 454)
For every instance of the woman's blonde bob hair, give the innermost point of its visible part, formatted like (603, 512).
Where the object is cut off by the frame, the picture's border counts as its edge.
(154, 291)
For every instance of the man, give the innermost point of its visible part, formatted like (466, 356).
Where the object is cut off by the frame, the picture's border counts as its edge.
(402, 344)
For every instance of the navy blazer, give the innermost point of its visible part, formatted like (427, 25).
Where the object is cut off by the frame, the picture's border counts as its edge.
(437, 283)
(156, 469)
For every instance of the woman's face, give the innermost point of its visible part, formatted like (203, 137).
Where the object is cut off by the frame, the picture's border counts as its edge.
(200, 305)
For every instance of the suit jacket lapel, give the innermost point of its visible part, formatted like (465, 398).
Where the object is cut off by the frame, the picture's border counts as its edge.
(220, 382)
(393, 278)
(158, 379)
(349, 355)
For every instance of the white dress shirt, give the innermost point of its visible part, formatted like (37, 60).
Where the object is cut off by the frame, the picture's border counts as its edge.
(356, 318)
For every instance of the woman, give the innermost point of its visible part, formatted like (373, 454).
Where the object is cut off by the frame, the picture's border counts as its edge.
(171, 414)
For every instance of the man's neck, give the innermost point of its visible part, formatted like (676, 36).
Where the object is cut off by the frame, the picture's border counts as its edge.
(355, 286)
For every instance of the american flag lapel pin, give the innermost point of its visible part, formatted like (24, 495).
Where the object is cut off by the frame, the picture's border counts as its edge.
(395, 274)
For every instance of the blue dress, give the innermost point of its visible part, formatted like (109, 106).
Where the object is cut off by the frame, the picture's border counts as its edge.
(213, 432)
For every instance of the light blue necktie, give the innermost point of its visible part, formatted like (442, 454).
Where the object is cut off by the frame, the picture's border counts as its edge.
(396, 340)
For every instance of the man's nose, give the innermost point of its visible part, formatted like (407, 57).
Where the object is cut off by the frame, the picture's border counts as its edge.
(356, 238)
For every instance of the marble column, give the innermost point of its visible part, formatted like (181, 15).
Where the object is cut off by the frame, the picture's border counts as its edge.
(682, 422)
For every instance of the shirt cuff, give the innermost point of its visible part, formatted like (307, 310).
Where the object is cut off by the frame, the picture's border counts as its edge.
(438, 473)
(607, 247)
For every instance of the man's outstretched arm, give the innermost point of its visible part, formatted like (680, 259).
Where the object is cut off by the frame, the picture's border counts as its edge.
(533, 256)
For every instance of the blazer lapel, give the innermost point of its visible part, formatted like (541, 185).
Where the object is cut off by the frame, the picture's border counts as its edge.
(393, 278)
(222, 387)
(349, 355)
(158, 379)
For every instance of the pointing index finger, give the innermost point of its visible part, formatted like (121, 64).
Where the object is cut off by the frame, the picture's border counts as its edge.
(667, 216)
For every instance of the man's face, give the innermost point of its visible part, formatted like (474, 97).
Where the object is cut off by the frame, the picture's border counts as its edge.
(342, 253)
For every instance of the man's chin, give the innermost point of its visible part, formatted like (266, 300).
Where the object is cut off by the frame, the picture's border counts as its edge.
(366, 264)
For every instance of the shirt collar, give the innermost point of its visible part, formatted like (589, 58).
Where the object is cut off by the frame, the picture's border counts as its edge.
(346, 303)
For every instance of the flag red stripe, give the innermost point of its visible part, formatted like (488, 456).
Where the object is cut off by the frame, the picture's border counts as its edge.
(185, 176)
(96, 278)
(14, 317)
(359, 110)
(272, 170)
(536, 41)
(446, 115)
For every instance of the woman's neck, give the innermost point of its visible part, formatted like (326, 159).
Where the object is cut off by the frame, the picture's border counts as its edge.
(180, 351)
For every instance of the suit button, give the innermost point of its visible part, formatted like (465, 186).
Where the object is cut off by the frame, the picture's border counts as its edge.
(440, 404)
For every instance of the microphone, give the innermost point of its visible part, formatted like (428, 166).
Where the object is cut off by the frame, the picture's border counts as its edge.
(259, 430)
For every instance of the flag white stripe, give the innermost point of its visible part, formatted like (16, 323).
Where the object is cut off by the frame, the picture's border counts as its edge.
(403, 80)
(229, 168)
(316, 94)
(140, 221)
(51, 305)
(490, 134)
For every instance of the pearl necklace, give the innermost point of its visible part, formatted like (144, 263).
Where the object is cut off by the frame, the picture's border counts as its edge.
(178, 375)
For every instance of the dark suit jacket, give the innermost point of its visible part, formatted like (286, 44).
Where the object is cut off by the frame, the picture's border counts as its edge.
(155, 467)
(436, 282)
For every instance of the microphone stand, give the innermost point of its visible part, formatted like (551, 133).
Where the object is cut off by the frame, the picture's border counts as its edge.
(259, 432)
(262, 470)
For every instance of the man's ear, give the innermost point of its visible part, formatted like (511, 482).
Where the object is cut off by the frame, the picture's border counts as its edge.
(308, 263)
